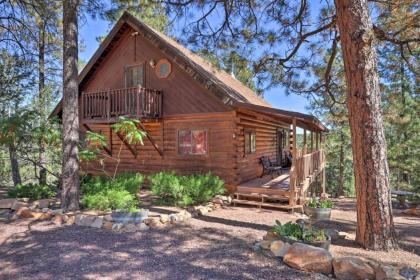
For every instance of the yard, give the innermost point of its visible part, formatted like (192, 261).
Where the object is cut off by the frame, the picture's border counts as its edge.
(214, 246)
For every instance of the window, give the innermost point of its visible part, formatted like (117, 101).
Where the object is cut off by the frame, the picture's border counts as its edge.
(134, 76)
(250, 142)
(163, 68)
(192, 142)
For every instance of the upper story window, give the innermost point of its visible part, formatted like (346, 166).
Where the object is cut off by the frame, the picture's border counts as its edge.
(250, 142)
(192, 141)
(163, 68)
(134, 76)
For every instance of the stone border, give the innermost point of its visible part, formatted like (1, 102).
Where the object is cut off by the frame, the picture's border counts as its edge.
(313, 259)
(39, 210)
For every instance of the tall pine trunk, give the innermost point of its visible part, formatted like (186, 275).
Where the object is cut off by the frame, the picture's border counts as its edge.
(70, 169)
(14, 165)
(340, 190)
(42, 99)
(375, 227)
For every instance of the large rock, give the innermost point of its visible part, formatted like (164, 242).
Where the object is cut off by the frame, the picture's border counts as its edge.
(202, 211)
(129, 228)
(387, 272)
(7, 203)
(308, 258)
(164, 218)
(279, 248)
(89, 221)
(352, 268)
(265, 244)
(107, 225)
(271, 236)
(19, 204)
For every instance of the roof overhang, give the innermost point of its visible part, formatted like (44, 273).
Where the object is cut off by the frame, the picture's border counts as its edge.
(305, 121)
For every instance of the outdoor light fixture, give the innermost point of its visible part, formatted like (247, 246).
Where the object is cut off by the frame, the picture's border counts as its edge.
(152, 63)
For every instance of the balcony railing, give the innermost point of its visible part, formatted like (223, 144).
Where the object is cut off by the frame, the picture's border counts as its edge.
(108, 105)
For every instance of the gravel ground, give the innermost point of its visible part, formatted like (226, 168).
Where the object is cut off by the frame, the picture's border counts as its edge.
(216, 246)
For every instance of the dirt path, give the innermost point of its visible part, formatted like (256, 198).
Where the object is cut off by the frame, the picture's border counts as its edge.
(216, 246)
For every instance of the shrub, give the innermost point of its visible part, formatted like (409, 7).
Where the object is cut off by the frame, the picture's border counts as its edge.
(185, 190)
(299, 233)
(103, 193)
(320, 203)
(130, 182)
(110, 200)
(32, 191)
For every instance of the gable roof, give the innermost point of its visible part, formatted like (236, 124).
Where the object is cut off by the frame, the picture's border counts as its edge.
(228, 89)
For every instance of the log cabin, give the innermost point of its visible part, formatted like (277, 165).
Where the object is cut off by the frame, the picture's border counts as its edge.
(197, 118)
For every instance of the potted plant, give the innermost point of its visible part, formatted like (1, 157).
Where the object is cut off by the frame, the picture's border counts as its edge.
(319, 209)
(131, 215)
(293, 232)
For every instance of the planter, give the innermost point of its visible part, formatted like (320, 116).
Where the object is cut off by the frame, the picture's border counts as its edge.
(318, 214)
(123, 216)
(320, 244)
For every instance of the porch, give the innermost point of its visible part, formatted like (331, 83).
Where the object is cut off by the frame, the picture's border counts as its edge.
(108, 105)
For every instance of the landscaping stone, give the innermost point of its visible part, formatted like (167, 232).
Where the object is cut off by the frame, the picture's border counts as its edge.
(7, 203)
(24, 212)
(89, 221)
(71, 220)
(43, 203)
(352, 268)
(129, 228)
(387, 272)
(308, 258)
(107, 225)
(202, 211)
(108, 218)
(154, 222)
(217, 200)
(279, 248)
(265, 244)
(271, 236)
(143, 227)
(58, 220)
(164, 218)
(173, 218)
(57, 211)
(19, 204)
(409, 273)
(117, 226)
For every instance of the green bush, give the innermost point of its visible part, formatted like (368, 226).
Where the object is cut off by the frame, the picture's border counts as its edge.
(130, 182)
(32, 191)
(297, 232)
(185, 190)
(320, 203)
(110, 200)
(104, 193)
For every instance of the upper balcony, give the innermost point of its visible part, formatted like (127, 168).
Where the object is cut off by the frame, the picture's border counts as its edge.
(107, 105)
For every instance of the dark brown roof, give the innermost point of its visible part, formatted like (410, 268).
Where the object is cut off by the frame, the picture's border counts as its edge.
(223, 85)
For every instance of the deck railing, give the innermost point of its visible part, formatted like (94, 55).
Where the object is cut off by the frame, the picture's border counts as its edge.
(108, 105)
(305, 169)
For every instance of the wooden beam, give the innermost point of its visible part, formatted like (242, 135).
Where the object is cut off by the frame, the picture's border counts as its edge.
(151, 140)
(292, 195)
(109, 151)
(312, 141)
(305, 148)
(317, 141)
(132, 150)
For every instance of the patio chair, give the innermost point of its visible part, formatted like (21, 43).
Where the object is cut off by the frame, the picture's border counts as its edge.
(270, 168)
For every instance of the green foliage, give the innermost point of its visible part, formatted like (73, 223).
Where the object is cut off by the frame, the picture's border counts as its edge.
(110, 199)
(185, 190)
(105, 193)
(297, 232)
(130, 182)
(32, 191)
(320, 203)
(129, 129)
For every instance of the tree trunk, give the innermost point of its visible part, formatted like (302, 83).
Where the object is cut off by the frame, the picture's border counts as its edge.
(375, 227)
(14, 164)
(70, 168)
(42, 101)
(340, 190)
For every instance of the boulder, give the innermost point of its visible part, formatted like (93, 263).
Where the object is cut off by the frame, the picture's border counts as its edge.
(7, 203)
(42, 203)
(71, 220)
(57, 211)
(164, 218)
(97, 223)
(108, 218)
(308, 258)
(173, 218)
(352, 268)
(279, 248)
(387, 272)
(24, 212)
(154, 222)
(117, 226)
(202, 211)
(58, 220)
(271, 236)
(217, 200)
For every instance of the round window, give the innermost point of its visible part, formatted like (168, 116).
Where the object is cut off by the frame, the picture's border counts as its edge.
(163, 68)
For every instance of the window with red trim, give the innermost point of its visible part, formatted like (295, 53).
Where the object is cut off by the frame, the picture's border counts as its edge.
(192, 142)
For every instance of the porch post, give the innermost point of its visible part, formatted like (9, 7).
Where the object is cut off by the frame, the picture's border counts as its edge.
(316, 141)
(312, 141)
(292, 197)
(305, 148)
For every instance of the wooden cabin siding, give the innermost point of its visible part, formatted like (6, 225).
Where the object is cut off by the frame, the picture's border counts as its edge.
(221, 152)
(248, 166)
(181, 93)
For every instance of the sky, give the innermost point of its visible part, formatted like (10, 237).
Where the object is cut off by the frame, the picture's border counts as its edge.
(93, 28)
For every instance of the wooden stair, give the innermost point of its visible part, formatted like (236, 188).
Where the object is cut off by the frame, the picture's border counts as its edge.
(279, 201)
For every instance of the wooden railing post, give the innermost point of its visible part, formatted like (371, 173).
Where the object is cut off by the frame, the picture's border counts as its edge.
(293, 169)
